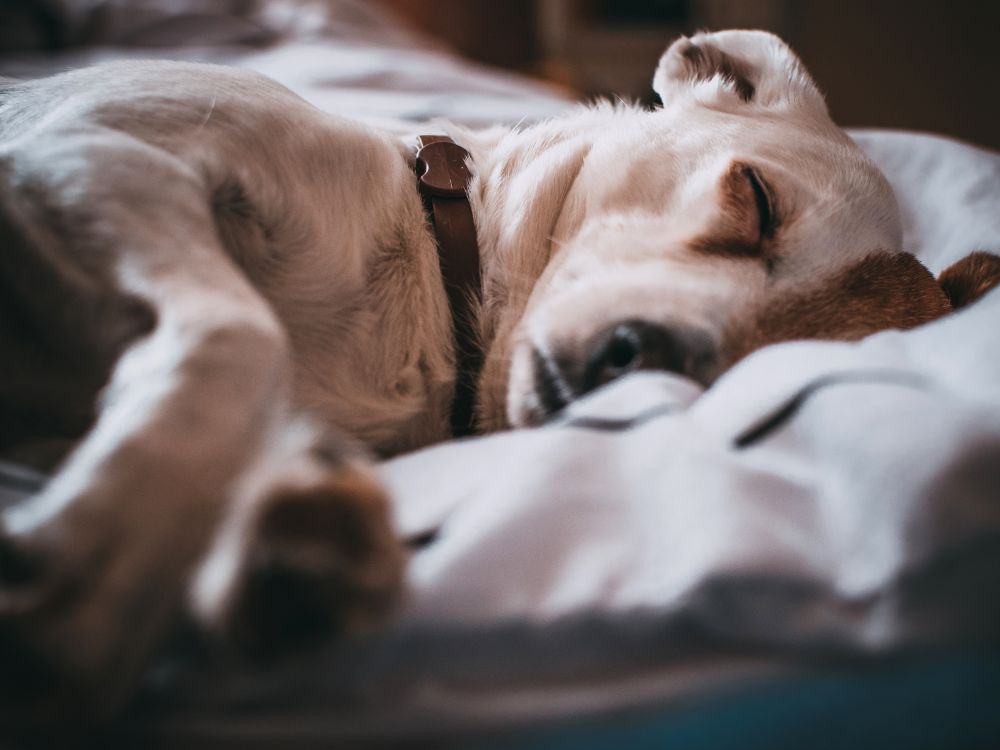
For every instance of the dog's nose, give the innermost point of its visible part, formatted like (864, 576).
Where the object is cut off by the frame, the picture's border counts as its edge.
(616, 351)
(639, 345)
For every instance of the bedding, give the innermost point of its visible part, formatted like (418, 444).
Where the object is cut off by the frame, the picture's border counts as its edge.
(826, 511)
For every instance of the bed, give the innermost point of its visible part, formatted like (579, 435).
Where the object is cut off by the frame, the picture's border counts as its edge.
(807, 554)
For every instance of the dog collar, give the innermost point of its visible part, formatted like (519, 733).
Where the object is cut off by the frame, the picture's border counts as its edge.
(442, 178)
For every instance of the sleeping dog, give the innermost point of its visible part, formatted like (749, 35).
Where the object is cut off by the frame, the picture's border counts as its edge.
(216, 298)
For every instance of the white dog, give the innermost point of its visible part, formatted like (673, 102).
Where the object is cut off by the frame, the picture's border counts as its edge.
(192, 258)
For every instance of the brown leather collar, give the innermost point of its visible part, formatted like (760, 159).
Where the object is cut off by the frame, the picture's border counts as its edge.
(442, 178)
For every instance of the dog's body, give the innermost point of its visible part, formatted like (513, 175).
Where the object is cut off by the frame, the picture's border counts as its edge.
(206, 257)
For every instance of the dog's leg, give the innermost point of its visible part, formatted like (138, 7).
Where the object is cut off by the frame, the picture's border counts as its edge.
(305, 552)
(95, 566)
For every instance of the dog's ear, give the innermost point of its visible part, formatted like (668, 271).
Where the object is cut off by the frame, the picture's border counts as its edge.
(970, 278)
(728, 69)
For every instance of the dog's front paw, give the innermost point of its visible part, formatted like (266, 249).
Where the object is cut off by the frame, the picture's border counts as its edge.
(312, 558)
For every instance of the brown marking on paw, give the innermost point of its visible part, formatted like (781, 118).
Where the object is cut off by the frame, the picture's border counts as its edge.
(324, 561)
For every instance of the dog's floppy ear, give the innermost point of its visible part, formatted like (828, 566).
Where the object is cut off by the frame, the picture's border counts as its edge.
(970, 278)
(731, 68)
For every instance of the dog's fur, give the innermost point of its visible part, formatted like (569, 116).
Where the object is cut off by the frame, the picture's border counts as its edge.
(193, 258)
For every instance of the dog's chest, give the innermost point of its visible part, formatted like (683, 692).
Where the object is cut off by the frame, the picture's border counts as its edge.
(380, 371)
(370, 331)
(336, 239)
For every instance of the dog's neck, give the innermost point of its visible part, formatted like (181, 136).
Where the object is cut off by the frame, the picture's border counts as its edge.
(443, 180)
(518, 195)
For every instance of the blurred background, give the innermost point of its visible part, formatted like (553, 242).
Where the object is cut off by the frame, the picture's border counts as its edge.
(917, 64)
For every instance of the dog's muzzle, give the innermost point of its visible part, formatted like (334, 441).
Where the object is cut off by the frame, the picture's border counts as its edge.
(562, 376)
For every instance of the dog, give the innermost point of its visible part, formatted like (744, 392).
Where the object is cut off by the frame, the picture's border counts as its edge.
(217, 299)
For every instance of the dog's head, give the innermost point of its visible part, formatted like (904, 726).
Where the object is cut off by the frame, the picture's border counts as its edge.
(736, 216)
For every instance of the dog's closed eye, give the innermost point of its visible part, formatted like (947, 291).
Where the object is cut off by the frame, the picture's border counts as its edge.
(749, 217)
(766, 218)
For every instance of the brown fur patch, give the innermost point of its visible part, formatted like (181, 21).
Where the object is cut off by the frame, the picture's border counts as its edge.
(882, 291)
(348, 513)
(325, 560)
(736, 231)
(705, 61)
(970, 278)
